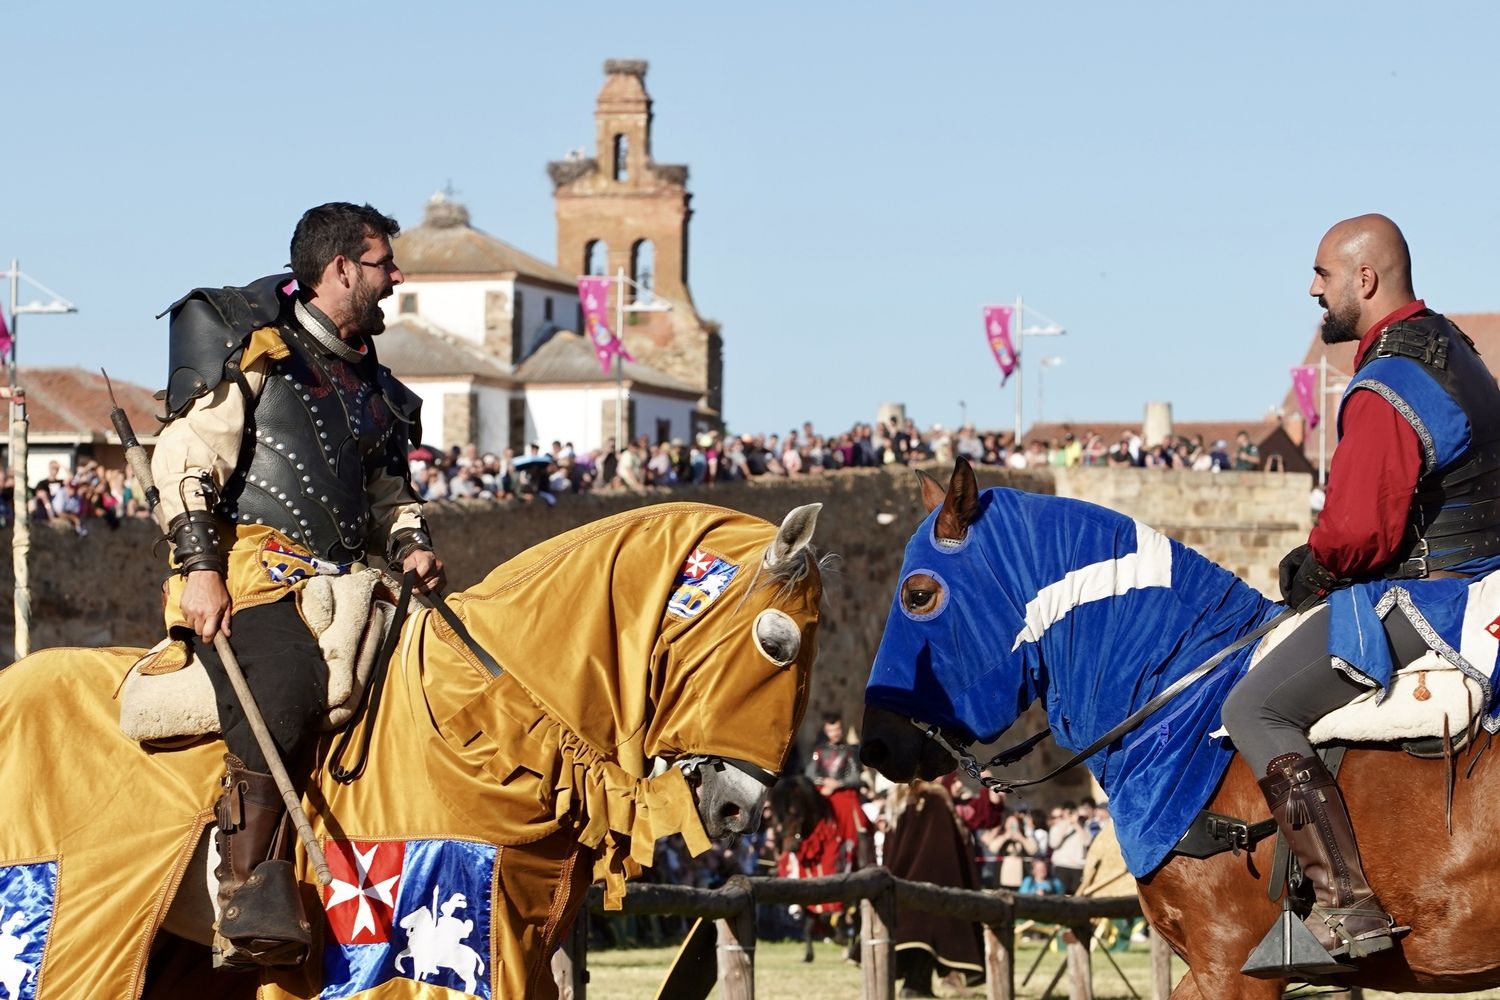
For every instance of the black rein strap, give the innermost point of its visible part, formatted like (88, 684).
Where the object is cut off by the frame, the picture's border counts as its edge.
(369, 704)
(1131, 721)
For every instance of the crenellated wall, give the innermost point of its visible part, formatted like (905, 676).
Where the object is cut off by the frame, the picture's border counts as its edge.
(103, 589)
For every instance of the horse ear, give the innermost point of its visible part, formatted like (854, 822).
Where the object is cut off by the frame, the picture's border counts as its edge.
(961, 504)
(795, 533)
(932, 491)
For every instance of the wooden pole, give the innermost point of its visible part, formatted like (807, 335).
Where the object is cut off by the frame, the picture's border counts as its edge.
(1161, 967)
(877, 934)
(1080, 963)
(570, 963)
(737, 955)
(20, 528)
(1000, 959)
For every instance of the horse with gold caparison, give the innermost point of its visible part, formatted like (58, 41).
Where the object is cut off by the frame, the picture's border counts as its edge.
(1009, 598)
(681, 633)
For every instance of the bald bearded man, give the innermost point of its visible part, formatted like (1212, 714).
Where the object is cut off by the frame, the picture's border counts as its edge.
(1411, 504)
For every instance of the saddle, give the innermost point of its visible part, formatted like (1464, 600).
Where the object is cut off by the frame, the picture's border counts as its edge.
(167, 699)
(1431, 708)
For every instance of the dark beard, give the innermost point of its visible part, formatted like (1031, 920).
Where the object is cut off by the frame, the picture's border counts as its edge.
(365, 314)
(1338, 329)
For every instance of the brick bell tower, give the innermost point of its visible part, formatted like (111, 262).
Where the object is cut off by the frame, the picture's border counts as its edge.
(621, 210)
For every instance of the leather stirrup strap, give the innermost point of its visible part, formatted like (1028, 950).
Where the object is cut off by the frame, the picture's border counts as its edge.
(369, 699)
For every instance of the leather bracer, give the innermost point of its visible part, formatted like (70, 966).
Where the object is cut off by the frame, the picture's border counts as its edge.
(195, 542)
(406, 541)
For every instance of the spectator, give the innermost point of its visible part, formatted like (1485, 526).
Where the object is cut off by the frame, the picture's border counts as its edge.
(1040, 881)
(1246, 454)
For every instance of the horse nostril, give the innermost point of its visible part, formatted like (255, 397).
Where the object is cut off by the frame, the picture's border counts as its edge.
(729, 812)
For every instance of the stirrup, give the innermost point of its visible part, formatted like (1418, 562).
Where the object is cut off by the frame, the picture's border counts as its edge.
(1291, 951)
(263, 923)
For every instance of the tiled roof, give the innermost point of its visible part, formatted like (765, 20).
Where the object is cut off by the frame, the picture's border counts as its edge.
(412, 347)
(445, 244)
(569, 357)
(74, 401)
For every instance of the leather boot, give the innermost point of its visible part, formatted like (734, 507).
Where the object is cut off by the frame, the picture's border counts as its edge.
(261, 920)
(1305, 801)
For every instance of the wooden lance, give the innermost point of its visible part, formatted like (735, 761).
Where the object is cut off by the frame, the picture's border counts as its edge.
(135, 455)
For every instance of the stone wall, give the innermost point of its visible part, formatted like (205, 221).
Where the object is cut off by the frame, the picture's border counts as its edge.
(103, 589)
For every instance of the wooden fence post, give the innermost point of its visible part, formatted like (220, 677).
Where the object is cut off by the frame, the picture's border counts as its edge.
(1000, 957)
(1080, 963)
(877, 941)
(737, 954)
(570, 964)
(1161, 967)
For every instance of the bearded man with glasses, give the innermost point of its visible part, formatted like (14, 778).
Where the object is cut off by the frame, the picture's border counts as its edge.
(283, 458)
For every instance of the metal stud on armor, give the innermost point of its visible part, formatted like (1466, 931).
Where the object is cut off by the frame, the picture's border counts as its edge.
(318, 427)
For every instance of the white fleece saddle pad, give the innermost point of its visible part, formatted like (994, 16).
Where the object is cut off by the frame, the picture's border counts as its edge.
(342, 611)
(1423, 698)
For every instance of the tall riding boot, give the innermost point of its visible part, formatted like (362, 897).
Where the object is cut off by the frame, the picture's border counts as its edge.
(1346, 917)
(261, 920)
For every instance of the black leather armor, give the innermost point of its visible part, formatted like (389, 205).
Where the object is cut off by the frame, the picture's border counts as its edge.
(1455, 513)
(208, 327)
(320, 428)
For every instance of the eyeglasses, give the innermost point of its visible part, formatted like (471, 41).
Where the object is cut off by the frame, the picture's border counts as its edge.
(384, 263)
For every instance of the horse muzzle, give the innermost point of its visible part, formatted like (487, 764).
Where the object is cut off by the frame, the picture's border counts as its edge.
(892, 745)
(731, 795)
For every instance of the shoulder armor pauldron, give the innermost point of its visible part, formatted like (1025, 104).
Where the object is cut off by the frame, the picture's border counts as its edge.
(208, 326)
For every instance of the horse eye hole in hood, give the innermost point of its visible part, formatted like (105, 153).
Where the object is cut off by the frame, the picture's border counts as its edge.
(777, 637)
(923, 595)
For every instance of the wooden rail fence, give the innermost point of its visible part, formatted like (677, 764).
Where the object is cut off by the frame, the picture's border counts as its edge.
(881, 896)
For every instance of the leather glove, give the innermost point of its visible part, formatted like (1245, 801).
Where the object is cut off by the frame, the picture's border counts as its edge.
(1304, 580)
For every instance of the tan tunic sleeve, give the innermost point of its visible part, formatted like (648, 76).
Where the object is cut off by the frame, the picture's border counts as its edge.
(203, 443)
(393, 507)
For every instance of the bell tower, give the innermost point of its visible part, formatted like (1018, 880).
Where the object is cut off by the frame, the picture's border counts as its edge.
(620, 210)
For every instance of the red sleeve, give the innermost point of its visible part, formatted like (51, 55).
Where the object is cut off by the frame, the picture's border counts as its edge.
(1370, 485)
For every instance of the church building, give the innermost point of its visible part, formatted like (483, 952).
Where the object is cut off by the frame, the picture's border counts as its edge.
(488, 335)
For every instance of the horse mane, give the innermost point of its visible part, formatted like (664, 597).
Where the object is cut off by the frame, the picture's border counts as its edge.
(787, 574)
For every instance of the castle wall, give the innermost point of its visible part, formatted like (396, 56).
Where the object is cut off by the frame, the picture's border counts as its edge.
(103, 589)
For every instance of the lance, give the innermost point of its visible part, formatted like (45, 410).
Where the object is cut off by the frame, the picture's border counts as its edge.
(135, 455)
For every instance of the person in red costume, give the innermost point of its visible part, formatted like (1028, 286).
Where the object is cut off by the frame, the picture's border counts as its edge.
(1418, 428)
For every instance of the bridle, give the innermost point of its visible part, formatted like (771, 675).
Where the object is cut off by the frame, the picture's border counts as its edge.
(689, 766)
(959, 749)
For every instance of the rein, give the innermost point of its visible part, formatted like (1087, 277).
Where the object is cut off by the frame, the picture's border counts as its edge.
(369, 703)
(974, 769)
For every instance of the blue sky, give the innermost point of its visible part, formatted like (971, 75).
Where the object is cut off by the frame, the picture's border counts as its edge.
(1155, 177)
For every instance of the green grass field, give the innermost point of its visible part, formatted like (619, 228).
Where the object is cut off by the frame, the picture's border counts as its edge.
(780, 974)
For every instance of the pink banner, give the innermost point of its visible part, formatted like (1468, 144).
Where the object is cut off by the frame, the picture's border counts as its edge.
(1305, 385)
(593, 295)
(997, 331)
(4, 338)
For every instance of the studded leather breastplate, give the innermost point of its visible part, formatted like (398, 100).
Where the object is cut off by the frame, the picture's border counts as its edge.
(319, 429)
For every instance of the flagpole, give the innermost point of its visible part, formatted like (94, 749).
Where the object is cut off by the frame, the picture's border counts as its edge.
(20, 501)
(619, 358)
(1322, 423)
(1019, 324)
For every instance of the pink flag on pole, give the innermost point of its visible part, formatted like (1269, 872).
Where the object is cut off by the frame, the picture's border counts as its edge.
(1304, 384)
(593, 294)
(997, 331)
(5, 338)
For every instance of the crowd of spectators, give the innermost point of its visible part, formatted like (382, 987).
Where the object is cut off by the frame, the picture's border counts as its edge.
(91, 494)
(542, 474)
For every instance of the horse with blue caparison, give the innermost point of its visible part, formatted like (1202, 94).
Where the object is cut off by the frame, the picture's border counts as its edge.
(1008, 598)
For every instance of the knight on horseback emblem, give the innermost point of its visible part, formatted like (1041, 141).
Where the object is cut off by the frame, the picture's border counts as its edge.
(283, 459)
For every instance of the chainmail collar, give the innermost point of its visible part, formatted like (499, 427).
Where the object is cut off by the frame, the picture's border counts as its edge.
(311, 319)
